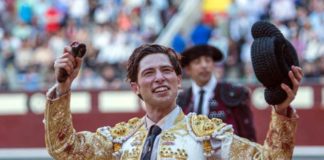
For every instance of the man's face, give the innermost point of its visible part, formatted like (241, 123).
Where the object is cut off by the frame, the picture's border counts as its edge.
(157, 81)
(200, 69)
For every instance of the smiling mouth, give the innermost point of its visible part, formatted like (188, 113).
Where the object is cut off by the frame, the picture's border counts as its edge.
(160, 89)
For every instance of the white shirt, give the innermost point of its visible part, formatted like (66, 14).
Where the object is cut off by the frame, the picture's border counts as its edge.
(165, 123)
(209, 94)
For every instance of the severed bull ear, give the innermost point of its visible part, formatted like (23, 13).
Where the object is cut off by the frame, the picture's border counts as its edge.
(78, 50)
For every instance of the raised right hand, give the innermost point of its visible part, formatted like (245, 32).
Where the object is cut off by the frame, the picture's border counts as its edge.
(71, 65)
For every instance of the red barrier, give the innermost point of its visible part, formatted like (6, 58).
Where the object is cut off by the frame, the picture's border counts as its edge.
(23, 126)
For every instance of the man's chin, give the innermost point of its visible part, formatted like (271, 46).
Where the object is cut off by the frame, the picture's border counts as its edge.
(162, 99)
(203, 81)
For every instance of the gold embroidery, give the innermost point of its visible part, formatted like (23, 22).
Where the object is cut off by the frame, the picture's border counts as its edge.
(180, 127)
(276, 146)
(133, 121)
(72, 145)
(133, 155)
(139, 139)
(119, 131)
(135, 150)
(122, 132)
(123, 129)
(166, 152)
(116, 146)
(179, 118)
(207, 146)
(180, 154)
(168, 137)
(203, 126)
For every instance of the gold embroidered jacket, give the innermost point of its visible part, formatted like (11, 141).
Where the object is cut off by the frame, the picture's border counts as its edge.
(191, 137)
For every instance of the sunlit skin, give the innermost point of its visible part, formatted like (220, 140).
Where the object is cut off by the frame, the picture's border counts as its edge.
(201, 69)
(158, 84)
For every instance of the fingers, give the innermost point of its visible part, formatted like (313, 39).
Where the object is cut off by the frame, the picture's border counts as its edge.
(68, 49)
(295, 76)
(298, 72)
(281, 108)
(78, 62)
(294, 81)
(290, 93)
(67, 62)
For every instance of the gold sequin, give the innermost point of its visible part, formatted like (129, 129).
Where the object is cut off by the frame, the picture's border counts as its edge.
(203, 126)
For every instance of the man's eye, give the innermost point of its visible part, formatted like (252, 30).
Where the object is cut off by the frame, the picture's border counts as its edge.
(196, 61)
(148, 73)
(167, 70)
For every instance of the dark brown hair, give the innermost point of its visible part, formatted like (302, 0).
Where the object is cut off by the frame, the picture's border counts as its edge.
(140, 52)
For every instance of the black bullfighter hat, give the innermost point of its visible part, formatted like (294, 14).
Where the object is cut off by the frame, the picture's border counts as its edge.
(200, 50)
(272, 57)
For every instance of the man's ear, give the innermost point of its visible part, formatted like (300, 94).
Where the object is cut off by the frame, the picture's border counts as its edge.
(135, 87)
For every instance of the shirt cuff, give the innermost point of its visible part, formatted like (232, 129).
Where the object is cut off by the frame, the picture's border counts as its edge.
(52, 94)
(291, 113)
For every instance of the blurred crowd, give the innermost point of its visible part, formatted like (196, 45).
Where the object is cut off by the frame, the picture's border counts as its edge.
(34, 32)
(300, 21)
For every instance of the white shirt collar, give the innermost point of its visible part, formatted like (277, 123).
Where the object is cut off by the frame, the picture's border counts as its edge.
(166, 122)
(209, 94)
(209, 87)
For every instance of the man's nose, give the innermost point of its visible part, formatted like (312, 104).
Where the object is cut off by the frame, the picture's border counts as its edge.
(159, 76)
(203, 63)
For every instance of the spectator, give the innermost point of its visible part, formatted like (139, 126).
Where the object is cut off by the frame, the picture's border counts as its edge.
(179, 43)
(201, 34)
(59, 22)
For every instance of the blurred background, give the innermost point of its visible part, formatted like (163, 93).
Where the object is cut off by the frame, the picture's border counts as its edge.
(34, 32)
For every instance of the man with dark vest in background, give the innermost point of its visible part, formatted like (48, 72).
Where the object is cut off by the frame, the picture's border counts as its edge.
(212, 97)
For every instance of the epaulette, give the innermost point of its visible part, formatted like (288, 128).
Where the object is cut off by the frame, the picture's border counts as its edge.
(120, 133)
(203, 129)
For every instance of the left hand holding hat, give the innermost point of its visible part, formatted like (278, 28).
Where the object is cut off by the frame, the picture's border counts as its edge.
(295, 74)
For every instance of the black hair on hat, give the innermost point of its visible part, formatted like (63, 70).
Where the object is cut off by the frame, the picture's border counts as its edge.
(200, 50)
(272, 57)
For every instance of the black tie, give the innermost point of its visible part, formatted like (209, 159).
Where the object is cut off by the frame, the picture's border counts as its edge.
(201, 100)
(148, 145)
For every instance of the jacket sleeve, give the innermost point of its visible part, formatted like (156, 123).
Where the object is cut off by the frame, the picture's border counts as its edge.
(63, 142)
(279, 142)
